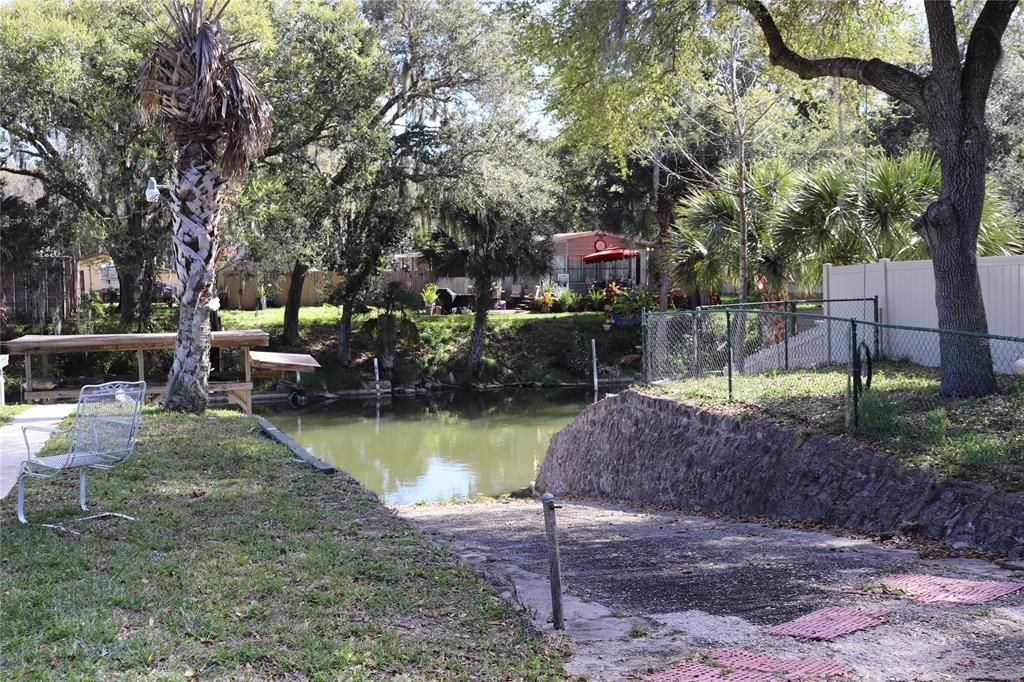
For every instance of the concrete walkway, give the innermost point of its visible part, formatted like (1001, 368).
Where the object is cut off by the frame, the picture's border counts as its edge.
(649, 589)
(12, 443)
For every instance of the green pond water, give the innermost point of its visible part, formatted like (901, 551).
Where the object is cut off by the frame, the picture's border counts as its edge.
(451, 445)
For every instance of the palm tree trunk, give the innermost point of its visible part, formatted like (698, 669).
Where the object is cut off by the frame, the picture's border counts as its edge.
(195, 204)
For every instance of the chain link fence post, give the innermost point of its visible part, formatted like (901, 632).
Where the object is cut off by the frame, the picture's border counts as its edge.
(855, 371)
(785, 333)
(877, 332)
(728, 349)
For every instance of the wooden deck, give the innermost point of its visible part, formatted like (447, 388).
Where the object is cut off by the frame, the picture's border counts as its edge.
(238, 392)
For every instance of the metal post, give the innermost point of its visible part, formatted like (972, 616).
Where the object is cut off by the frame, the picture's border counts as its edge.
(828, 337)
(644, 347)
(854, 369)
(593, 353)
(785, 335)
(554, 561)
(877, 332)
(728, 349)
(694, 360)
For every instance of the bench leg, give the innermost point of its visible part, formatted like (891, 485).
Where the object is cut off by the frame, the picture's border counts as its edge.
(81, 490)
(81, 503)
(21, 511)
(21, 499)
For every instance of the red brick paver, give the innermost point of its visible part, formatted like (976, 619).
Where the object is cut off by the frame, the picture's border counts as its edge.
(933, 588)
(793, 669)
(830, 623)
(737, 665)
(698, 672)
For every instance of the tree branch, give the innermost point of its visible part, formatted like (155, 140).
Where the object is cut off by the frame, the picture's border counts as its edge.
(983, 53)
(893, 80)
(942, 37)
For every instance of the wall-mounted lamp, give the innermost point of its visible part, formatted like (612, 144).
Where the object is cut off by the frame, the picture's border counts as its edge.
(153, 190)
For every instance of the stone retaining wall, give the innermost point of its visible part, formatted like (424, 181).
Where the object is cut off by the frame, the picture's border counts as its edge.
(655, 450)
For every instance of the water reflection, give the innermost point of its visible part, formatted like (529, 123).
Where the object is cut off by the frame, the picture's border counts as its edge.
(455, 444)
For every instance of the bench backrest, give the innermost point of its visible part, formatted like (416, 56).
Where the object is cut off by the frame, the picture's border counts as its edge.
(107, 420)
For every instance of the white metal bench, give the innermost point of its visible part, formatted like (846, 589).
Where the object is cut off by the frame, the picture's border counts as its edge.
(101, 436)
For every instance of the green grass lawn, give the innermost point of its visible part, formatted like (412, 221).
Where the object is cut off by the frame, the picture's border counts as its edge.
(242, 565)
(901, 414)
(9, 412)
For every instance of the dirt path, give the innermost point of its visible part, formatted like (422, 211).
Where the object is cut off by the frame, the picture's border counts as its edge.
(650, 590)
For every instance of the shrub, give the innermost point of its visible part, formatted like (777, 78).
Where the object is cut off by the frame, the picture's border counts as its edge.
(429, 294)
(631, 302)
(568, 301)
(545, 300)
(596, 299)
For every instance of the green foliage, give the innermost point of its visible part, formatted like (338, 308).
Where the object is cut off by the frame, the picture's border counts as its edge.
(568, 301)
(429, 293)
(705, 244)
(493, 219)
(597, 300)
(69, 120)
(838, 213)
(629, 303)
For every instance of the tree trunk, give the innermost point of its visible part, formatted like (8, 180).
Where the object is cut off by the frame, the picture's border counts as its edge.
(293, 302)
(147, 282)
(950, 229)
(195, 204)
(128, 275)
(345, 334)
(476, 337)
(188, 383)
(665, 205)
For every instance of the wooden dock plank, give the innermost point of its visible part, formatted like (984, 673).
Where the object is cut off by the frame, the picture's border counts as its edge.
(80, 343)
(284, 362)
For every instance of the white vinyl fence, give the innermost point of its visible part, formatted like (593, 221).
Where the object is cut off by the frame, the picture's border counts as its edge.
(906, 296)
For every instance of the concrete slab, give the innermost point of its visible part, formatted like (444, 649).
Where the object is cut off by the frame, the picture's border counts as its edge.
(12, 443)
(649, 590)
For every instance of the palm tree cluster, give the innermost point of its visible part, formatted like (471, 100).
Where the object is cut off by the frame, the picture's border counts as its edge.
(798, 221)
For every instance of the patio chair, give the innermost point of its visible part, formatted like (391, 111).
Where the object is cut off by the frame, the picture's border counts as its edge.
(101, 437)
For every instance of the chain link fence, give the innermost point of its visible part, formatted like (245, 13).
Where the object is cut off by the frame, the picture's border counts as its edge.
(845, 372)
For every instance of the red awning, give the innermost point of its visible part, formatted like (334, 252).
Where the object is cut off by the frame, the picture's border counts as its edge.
(610, 255)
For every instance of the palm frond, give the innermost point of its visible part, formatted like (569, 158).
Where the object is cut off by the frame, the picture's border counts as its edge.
(192, 81)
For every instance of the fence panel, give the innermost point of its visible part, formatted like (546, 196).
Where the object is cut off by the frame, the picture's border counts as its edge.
(856, 375)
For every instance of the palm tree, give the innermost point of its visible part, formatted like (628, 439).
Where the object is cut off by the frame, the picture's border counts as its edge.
(705, 242)
(486, 243)
(844, 215)
(218, 121)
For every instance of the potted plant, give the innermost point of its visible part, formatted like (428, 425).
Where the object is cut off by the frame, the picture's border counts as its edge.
(629, 305)
(429, 295)
(546, 301)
